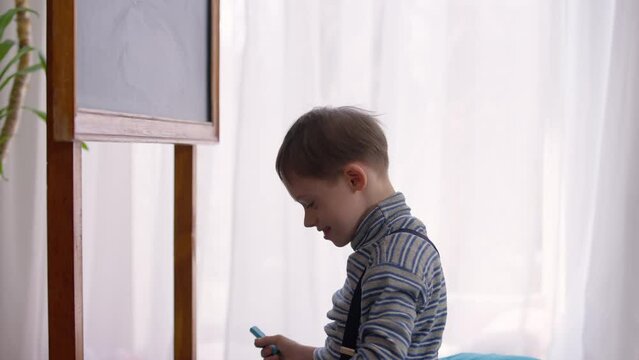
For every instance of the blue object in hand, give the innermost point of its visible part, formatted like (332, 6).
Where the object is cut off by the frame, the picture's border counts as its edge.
(258, 334)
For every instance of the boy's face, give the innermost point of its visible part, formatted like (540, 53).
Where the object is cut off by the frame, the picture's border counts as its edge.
(333, 207)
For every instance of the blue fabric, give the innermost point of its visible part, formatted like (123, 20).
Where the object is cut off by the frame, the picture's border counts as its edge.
(471, 356)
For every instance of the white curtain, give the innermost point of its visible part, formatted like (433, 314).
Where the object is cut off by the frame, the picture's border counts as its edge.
(23, 250)
(513, 132)
(595, 314)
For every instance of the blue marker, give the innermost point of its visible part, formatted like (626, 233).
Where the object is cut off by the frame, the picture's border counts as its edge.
(259, 334)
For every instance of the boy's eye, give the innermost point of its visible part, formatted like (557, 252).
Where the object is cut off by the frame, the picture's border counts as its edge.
(309, 205)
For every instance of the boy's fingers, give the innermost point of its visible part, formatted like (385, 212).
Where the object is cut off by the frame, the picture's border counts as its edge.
(268, 345)
(267, 352)
(266, 340)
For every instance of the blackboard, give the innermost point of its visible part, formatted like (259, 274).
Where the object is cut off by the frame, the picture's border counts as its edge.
(136, 71)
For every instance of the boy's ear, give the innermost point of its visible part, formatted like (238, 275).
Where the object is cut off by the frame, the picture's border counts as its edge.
(356, 176)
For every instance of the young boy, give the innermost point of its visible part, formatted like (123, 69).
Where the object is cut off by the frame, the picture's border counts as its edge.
(334, 162)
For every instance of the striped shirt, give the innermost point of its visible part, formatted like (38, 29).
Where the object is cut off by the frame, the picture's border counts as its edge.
(403, 289)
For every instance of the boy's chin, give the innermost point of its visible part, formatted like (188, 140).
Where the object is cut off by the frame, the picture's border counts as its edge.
(339, 243)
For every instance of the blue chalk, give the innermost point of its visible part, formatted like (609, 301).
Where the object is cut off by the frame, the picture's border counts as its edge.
(258, 334)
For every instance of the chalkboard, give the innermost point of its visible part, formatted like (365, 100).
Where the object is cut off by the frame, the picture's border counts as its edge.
(135, 71)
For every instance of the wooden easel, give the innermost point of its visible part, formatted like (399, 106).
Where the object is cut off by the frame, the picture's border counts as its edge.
(67, 127)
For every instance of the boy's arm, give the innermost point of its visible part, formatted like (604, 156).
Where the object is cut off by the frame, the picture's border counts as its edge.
(392, 295)
(389, 302)
(330, 351)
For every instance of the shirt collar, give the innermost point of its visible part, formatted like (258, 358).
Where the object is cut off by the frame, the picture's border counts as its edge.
(374, 226)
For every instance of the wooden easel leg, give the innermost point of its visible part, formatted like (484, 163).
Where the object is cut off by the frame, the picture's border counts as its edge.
(64, 248)
(184, 266)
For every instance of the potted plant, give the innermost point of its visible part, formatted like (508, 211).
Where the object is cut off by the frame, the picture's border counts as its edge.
(15, 67)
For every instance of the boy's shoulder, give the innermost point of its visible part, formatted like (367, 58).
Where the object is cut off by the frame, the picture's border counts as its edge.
(406, 247)
(412, 236)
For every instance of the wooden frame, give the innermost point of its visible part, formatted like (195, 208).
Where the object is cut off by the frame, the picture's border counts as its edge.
(67, 126)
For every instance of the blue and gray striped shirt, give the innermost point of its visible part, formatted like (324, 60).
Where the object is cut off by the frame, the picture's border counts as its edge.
(403, 289)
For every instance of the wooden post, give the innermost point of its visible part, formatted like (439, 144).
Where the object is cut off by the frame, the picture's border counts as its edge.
(184, 266)
(64, 249)
(64, 190)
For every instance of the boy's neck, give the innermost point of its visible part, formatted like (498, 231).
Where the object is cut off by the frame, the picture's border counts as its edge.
(379, 189)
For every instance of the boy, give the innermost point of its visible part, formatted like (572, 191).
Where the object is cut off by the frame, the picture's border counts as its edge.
(334, 162)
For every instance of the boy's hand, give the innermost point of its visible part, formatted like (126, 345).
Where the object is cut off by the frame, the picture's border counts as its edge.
(289, 349)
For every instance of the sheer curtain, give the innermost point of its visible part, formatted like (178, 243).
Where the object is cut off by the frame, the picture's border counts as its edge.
(513, 133)
(599, 191)
(23, 251)
(510, 125)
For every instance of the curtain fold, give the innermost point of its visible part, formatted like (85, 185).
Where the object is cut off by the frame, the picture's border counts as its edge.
(599, 187)
(611, 287)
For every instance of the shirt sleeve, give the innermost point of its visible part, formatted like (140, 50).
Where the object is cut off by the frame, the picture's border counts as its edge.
(391, 297)
(330, 351)
(335, 329)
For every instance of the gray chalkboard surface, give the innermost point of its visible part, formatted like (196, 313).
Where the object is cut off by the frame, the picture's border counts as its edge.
(145, 57)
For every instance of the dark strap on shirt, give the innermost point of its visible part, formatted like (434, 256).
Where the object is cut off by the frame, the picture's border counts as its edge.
(349, 341)
(351, 331)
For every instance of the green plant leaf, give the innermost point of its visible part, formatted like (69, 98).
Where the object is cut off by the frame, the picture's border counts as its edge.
(29, 10)
(4, 112)
(41, 114)
(5, 46)
(5, 20)
(7, 16)
(2, 171)
(15, 58)
(30, 69)
(43, 61)
(85, 146)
